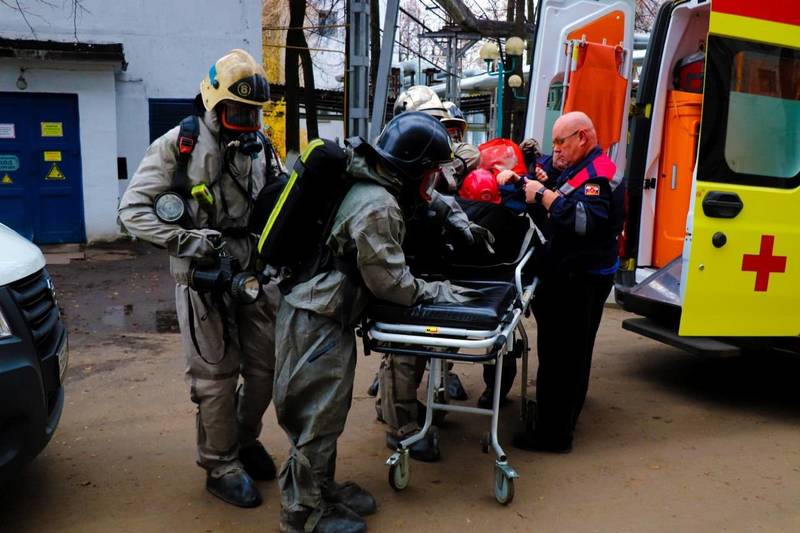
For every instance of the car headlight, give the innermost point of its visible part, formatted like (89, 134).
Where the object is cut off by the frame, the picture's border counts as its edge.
(5, 329)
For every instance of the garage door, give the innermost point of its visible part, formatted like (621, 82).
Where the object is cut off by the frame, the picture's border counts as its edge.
(41, 193)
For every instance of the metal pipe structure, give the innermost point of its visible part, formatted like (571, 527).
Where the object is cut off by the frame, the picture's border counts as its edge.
(463, 17)
(358, 79)
(385, 63)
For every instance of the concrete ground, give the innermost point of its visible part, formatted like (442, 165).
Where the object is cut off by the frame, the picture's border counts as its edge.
(667, 441)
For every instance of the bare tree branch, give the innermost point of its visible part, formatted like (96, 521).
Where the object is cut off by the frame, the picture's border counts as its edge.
(22, 12)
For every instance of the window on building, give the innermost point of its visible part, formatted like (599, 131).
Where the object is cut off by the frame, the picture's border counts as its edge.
(327, 22)
(166, 113)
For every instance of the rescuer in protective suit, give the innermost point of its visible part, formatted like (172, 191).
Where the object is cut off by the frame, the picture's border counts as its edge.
(315, 321)
(212, 167)
(467, 159)
(399, 376)
(466, 156)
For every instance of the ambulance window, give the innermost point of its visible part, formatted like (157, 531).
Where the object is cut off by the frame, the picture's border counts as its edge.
(555, 99)
(751, 112)
(763, 114)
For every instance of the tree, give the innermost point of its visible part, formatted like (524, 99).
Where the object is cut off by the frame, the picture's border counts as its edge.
(297, 52)
(21, 6)
(646, 11)
(374, 43)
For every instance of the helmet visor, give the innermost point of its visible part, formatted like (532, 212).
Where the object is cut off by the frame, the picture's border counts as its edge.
(428, 184)
(239, 117)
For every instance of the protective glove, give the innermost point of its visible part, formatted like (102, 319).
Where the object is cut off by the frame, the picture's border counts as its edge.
(195, 243)
(482, 237)
(180, 268)
(455, 222)
(446, 292)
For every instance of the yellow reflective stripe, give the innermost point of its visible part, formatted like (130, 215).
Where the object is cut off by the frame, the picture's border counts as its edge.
(313, 144)
(751, 29)
(285, 193)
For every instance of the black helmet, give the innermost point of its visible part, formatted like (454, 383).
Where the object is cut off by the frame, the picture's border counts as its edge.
(413, 143)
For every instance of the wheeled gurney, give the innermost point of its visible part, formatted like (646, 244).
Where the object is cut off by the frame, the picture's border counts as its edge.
(484, 330)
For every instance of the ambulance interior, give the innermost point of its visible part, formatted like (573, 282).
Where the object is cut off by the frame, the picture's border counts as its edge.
(582, 61)
(672, 146)
(671, 153)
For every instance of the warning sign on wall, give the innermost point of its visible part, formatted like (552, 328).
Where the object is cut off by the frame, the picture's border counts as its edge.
(9, 162)
(6, 180)
(52, 155)
(52, 129)
(55, 173)
(7, 131)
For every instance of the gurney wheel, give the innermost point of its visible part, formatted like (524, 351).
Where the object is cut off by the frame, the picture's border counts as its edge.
(503, 487)
(399, 474)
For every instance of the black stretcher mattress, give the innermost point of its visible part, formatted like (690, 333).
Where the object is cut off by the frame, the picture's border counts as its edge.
(484, 312)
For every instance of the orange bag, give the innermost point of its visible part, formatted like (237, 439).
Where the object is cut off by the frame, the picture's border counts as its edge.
(502, 154)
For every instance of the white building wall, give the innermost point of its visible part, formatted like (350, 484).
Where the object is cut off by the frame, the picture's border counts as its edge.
(169, 47)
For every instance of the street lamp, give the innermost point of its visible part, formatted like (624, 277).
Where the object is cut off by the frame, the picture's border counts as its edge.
(515, 82)
(492, 54)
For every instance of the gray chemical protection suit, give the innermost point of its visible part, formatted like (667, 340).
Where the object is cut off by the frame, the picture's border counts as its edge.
(222, 340)
(399, 376)
(316, 363)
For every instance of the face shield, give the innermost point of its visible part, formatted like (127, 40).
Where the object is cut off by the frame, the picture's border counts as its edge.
(239, 117)
(455, 129)
(428, 184)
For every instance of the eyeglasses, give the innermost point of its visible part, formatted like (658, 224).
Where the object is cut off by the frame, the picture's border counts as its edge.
(558, 141)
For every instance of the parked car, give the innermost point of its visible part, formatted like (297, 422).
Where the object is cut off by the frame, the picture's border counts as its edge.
(33, 353)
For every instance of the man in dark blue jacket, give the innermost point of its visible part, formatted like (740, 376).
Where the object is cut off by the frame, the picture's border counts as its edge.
(583, 214)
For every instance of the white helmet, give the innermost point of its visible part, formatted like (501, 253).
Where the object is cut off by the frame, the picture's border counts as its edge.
(454, 121)
(420, 98)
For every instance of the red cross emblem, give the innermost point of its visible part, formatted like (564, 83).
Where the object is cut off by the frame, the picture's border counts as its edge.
(764, 263)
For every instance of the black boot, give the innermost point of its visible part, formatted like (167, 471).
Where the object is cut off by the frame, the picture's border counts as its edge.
(455, 389)
(336, 518)
(485, 401)
(351, 496)
(425, 450)
(506, 382)
(257, 462)
(373, 389)
(234, 487)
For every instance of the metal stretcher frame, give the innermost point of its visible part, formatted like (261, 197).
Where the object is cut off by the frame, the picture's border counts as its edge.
(428, 341)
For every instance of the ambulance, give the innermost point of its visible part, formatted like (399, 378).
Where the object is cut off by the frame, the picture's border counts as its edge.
(710, 151)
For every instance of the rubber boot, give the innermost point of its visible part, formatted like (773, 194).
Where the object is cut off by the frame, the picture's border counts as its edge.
(336, 518)
(351, 496)
(257, 462)
(373, 389)
(234, 486)
(455, 390)
(509, 374)
(425, 450)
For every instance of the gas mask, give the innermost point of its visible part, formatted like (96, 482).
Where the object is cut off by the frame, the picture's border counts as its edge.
(241, 122)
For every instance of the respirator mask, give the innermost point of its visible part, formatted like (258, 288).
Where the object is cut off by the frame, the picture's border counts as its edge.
(242, 122)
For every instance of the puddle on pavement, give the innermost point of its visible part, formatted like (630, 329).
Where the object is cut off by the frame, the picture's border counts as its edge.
(147, 318)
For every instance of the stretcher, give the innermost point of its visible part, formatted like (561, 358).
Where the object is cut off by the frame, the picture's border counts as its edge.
(484, 330)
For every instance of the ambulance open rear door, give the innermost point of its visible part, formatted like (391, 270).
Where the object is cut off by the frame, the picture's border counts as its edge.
(582, 62)
(741, 258)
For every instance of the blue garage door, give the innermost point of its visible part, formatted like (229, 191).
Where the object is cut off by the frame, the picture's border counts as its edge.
(41, 192)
